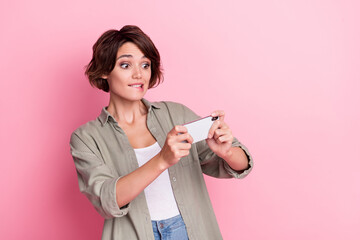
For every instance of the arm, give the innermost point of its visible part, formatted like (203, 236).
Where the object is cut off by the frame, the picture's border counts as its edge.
(237, 159)
(222, 155)
(96, 180)
(109, 194)
(220, 139)
(211, 163)
(131, 185)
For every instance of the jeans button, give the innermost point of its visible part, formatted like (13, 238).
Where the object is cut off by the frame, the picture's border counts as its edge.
(161, 225)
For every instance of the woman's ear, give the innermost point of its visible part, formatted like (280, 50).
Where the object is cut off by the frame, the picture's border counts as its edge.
(104, 77)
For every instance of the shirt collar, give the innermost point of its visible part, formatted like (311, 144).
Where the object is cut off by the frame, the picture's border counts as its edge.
(105, 116)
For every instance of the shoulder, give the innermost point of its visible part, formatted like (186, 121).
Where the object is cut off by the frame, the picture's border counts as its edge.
(89, 127)
(85, 133)
(177, 110)
(172, 105)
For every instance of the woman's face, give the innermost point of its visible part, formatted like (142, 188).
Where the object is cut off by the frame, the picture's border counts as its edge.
(129, 80)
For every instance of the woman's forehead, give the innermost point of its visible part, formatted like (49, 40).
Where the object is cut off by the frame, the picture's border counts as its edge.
(129, 50)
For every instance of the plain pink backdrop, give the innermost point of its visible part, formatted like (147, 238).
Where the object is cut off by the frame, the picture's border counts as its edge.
(286, 73)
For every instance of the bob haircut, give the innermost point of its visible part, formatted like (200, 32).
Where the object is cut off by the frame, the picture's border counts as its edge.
(105, 50)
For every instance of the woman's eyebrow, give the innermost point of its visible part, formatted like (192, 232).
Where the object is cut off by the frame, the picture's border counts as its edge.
(128, 56)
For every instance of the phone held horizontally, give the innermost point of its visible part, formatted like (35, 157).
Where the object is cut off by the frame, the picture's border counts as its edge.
(199, 129)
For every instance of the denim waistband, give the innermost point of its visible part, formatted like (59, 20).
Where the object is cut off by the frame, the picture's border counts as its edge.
(171, 228)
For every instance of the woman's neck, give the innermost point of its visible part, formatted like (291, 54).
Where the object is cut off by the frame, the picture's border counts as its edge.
(125, 111)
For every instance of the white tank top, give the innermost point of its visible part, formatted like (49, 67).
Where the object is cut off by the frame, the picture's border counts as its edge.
(159, 195)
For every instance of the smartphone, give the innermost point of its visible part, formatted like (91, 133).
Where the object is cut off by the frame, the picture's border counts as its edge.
(199, 129)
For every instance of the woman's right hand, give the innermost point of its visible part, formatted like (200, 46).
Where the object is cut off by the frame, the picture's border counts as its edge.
(177, 145)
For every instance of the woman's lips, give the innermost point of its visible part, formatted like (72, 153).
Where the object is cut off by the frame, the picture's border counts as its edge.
(136, 85)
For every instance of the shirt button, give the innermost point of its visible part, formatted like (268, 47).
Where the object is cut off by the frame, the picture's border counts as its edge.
(174, 179)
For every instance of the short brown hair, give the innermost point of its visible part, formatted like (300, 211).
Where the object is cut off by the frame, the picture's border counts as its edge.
(105, 50)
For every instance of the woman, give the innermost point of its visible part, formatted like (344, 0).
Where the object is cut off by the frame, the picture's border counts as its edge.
(135, 162)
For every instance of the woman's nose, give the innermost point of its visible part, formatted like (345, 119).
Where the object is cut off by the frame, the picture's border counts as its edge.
(137, 72)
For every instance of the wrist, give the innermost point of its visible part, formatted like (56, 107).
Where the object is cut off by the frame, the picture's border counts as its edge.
(237, 159)
(227, 156)
(160, 162)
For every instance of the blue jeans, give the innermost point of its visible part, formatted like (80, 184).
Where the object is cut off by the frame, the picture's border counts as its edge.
(170, 229)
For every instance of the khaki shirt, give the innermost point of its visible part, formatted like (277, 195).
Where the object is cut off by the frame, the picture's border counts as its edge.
(103, 154)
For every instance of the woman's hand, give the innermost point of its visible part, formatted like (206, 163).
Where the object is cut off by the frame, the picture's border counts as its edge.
(177, 145)
(220, 136)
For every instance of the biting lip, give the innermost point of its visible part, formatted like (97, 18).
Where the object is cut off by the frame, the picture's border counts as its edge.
(136, 85)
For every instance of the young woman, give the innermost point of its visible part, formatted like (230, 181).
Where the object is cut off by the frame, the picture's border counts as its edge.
(136, 162)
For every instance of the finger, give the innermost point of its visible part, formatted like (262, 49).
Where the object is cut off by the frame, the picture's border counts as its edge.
(221, 132)
(225, 139)
(178, 129)
(181, 153)
(222, 125)
(223, 135)
(184, 137)
(184, 153)
(219, 113)
(184, 146)
(213, 127)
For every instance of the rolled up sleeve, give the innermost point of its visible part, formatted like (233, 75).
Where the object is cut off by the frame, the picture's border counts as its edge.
(215, 166)
(242, 173)
(95, 178)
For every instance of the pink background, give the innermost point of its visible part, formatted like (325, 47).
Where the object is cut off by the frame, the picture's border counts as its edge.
(286, 72)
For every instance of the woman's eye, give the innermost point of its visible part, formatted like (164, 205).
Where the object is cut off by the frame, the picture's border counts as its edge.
(124, 65)
(146, 65)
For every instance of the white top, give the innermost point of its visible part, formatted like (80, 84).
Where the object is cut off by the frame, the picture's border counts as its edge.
(159, 195)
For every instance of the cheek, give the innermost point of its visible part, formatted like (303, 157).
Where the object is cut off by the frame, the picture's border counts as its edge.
(118, 78)
(116, 84)
(148, 75)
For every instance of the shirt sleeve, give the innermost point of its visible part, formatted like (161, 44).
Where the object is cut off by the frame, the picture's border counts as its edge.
(215, 166)
(96, 180)
(212, 164)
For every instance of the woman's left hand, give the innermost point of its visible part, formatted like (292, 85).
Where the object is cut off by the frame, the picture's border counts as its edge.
(220, 136)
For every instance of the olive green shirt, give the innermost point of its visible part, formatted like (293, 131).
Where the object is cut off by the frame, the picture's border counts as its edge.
(103, 154)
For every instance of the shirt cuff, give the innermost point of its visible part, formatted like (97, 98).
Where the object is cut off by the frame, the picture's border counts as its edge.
(108, 200)
(241, 173)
